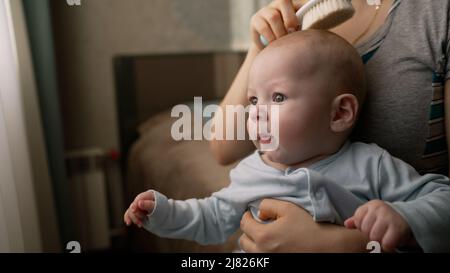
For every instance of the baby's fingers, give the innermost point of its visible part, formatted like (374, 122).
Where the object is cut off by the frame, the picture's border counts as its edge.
(146, 205)
(140, 214)
(126, 218)
(350, 223)
(390, 240)
(378, 231)
(368, 223)
(133, 207)
(136, 219)
(359, 216)
(147, 195)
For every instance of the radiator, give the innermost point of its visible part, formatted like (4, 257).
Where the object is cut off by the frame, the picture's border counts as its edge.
(96, 197)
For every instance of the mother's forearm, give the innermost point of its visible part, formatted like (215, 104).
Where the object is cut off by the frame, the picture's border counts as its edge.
(228, 151)
(342, 240)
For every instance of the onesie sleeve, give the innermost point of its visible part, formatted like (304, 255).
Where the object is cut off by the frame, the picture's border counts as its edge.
(207, 221)
(423, 201)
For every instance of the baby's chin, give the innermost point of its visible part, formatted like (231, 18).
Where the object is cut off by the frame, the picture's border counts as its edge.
(280, 157)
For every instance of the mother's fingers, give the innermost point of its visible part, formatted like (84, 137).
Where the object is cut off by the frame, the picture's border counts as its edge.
(272, 209)
(261, 27)
(297, 4)
(247, 244)
(274, 18)
(250, 226)
(288, 10)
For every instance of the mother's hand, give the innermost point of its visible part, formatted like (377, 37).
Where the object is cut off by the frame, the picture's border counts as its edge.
(294, 230)
(274, 20)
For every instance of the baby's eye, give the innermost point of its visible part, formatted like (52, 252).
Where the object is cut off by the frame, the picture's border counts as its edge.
(278, 98)
(253, 100)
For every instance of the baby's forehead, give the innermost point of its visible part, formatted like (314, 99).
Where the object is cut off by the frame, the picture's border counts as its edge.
(308, 51)
(299, 48)
(298, 59)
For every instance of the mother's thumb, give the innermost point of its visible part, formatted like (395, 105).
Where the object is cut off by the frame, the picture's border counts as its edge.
(269, 209)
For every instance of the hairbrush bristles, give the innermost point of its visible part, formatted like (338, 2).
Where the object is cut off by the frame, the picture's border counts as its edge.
(325, 14)
(322, 14)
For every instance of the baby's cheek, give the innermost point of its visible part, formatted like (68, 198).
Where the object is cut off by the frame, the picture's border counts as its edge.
(288, 125)
(252, 129)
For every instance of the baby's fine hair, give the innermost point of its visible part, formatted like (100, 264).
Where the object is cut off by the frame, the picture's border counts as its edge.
(331, 55)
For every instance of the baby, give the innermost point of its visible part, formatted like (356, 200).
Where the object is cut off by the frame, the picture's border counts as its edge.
(316, 79)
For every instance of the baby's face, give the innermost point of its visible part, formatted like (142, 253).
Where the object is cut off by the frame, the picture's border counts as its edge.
(304, 106)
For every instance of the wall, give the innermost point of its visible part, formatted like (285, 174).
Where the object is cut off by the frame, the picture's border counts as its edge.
(90, 35)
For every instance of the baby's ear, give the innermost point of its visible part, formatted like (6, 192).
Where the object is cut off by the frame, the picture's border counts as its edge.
(344, 112)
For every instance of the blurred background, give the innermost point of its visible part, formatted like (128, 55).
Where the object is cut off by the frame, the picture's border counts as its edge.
(86, 89)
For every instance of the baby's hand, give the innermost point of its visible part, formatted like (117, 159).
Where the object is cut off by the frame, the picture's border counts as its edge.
(381, 223)
(142, 205)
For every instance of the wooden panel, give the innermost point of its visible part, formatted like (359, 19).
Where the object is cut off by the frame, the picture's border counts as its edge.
(164, 81)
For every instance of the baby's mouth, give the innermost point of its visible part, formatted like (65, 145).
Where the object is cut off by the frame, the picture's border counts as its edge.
(264, 139)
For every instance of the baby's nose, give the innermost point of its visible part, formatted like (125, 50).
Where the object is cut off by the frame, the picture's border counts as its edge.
(253, 113)
(259, 113)
(262, 113)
